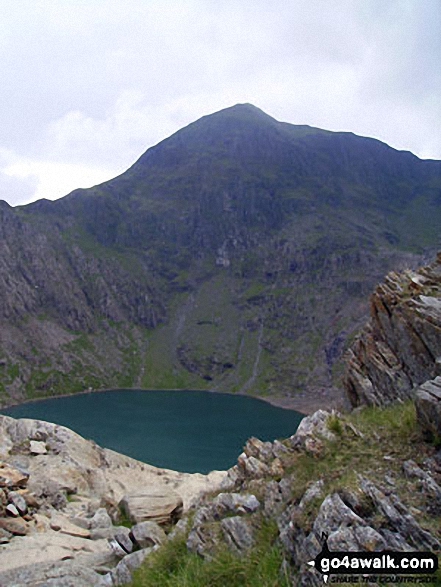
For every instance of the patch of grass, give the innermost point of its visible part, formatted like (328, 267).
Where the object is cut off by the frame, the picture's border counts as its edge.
(335, 425)
(172, 566)
(124, 519)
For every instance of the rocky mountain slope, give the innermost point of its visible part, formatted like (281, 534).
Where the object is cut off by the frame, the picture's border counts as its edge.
(366, 481)
(235, 255)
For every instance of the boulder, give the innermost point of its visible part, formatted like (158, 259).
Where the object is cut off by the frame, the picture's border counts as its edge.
(30, 499)
(147, 534)
(158, 504)
(16, 526)
(122, 574)
(428, 408)
(37, 447)
(19, 502)
(100, 519)
(124, 540)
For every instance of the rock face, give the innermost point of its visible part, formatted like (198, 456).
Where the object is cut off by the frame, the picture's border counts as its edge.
(400, 348)
(59, 511)
(428, 406)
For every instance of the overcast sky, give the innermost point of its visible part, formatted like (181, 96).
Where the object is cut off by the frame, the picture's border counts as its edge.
(87, 86)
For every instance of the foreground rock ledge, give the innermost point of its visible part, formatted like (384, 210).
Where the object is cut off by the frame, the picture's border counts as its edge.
(66, 529)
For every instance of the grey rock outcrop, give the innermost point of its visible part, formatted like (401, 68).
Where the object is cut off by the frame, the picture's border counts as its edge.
(428, 408)
(147, 534)
(400, 348)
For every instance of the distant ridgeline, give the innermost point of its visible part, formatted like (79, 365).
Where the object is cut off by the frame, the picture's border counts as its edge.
(236, 255)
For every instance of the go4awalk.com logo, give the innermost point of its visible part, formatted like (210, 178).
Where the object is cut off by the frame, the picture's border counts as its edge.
(386, 566)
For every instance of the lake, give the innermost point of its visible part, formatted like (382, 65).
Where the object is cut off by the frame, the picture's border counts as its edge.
(190, 431)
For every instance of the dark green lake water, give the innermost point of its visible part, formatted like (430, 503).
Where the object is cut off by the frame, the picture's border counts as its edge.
(191, 431)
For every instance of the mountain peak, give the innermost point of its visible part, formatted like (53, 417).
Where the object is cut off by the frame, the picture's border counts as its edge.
(240, 112)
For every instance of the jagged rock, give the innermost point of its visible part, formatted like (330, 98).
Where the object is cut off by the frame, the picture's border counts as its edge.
(232, 480)
(263, 451)
(311, 431)
(160, 505)
(203, 514)
(400, 347)
(37, 447)
(279, 449)
(252, 467)
(334, 514)
(203, 540)
(228, 503)
(358, 538)
(238, 533)
(11, 477)
(428, 483)
(399, 517)
(285, 485)
(122, 574)
(428, 408)
(147, 534)
(19, 502)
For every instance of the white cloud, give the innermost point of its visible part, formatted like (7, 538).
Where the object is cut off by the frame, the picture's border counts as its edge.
(89, 85)
(25, 180)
